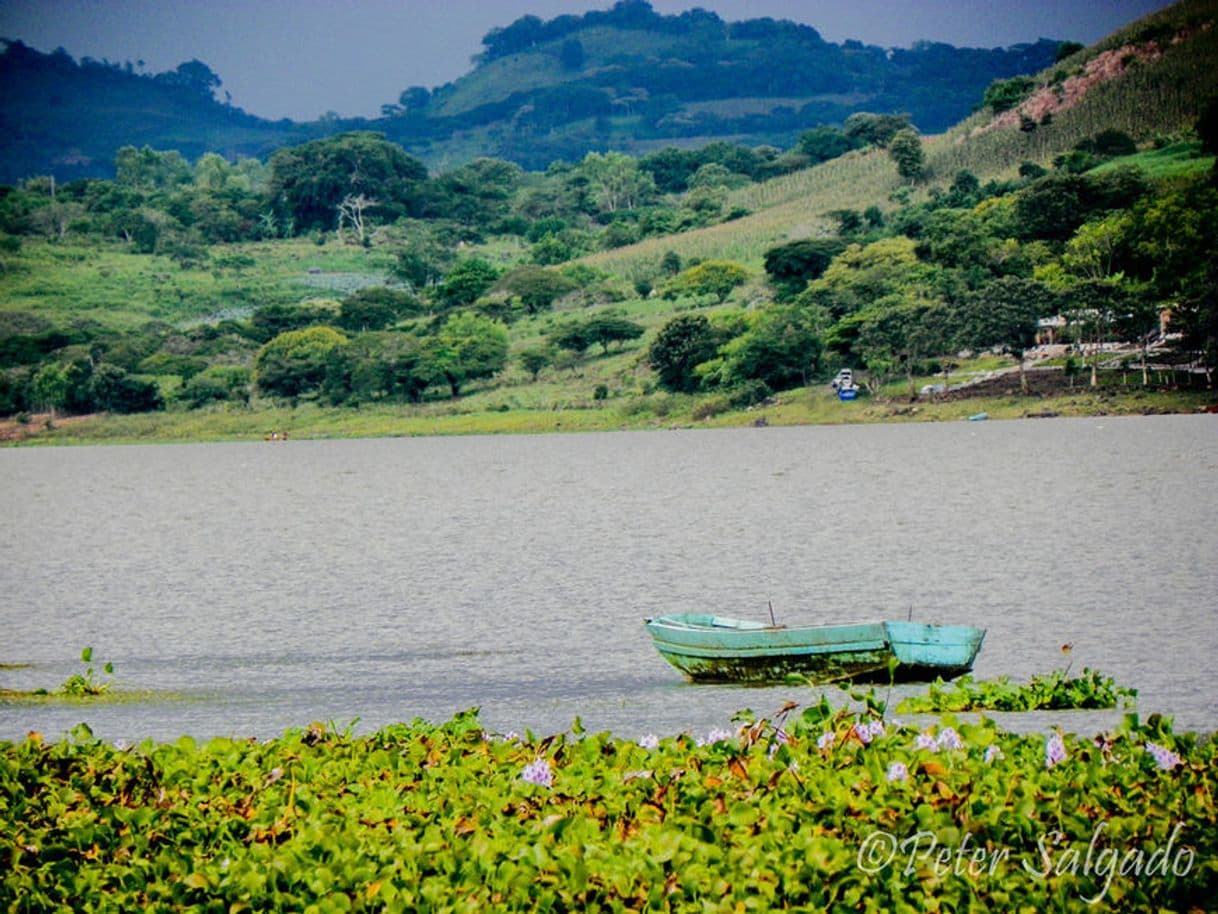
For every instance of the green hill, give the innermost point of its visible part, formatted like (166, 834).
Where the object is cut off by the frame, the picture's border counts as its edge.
(1152, 96)
(626, 78)
(220, 300)
(68, 119)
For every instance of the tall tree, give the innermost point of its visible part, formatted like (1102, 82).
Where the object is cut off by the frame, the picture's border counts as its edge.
(309, 182)
(906, 150)
(469, 347)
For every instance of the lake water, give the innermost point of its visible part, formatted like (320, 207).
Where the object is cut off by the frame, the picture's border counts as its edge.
(270, 585)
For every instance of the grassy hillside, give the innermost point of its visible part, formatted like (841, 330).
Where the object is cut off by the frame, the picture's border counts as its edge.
(626, 78)
(1147, 99)
(162, 318)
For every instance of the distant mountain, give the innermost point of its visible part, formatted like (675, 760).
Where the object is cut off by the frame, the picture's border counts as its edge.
(631, 79)
(626, 78)
(68, 118)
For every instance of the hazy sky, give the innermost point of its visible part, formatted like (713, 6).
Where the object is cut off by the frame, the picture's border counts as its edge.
(300, 58)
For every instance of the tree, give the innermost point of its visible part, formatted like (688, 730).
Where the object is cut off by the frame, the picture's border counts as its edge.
(781, 348)
(610, 328)
(310, 181)
(571, 55)
(906, 150)
(535, 360)
(681, 345)
(294, 363)
(616, 181)
(466, 282)
(849, 221)
(1004, 94)
(351, 211)
(147, 169)
(863, 274)
(380, 365)
(896, 333)
(414, 99)
(50, 386)
(112, 390)
(216, 383)
(571, 336)
(874, 129)
(713, 277)
(271, 320)
(820, 144)
(1092, 252)
(1002, 313)
(793, 265)
(375, 308)
(537, 287)
(469, 347)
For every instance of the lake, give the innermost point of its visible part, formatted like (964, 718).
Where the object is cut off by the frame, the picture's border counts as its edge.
(268, 585)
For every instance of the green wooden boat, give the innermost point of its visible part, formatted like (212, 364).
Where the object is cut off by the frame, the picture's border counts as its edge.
(710, 648)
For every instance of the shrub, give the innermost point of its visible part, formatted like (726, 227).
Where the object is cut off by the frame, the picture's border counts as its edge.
(714, 277)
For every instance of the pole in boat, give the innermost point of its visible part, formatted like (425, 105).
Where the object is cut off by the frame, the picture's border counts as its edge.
(773, 624)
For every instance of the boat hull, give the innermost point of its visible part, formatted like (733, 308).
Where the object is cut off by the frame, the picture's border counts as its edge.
(708, 648)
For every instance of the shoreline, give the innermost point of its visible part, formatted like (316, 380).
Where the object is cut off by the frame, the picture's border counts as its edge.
(794, 408)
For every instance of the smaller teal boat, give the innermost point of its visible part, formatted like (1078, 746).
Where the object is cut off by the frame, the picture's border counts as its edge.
(710, 648)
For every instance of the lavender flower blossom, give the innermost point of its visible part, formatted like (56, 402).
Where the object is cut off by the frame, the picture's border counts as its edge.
(826, 740)
(1164, 758)
(926, 741)
(538, 772)
(1055, 750)
(992, 753)
(949, 739)
(898, 772)
(716, 735)
(866, 732)
(650, 741)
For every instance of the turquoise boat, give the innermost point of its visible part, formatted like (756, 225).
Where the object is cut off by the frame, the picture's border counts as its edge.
(710, 648)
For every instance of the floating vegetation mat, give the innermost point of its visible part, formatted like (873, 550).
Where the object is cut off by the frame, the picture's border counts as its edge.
(827, 810)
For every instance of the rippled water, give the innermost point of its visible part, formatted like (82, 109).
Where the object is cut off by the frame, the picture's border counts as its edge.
(270, 585)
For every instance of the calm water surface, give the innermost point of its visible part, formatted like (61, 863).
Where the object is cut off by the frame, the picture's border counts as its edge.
(273, 585)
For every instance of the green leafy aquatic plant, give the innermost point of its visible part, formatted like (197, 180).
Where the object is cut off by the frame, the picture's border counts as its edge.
(80, 685)
(826, 810)
(1056, 691)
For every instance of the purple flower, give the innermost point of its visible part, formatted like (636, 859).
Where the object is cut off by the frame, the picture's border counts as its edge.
(826, 740)
(1055, 750)
(1164, 758)
(650, 741)
(866, 732)
(926, 741)
(897, 771)
(716, 735)
(949, 739)
(538, 772)
(992, 752)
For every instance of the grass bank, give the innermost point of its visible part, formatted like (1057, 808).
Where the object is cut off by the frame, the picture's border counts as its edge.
(815, 406)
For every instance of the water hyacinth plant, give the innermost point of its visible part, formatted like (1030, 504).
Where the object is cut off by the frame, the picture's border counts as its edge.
(1057, 691)
(538, 772)
(419, 816)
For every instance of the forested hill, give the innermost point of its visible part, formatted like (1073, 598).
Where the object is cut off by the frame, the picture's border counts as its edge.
(631, 79)
(625, 78)
(68, 118)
